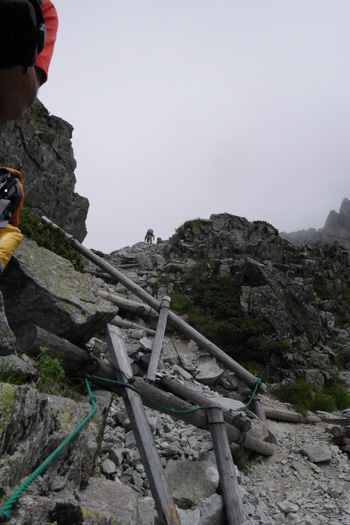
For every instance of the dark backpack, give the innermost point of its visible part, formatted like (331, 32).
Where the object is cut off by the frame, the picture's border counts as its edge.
(22, 32)
(11, 195)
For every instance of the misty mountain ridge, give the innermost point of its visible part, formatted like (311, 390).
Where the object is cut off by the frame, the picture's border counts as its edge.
(335, 231)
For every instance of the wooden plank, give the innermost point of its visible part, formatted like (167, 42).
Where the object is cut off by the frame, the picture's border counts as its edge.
(158, 338)
(176, 321)
(228, 478)
(155, 473)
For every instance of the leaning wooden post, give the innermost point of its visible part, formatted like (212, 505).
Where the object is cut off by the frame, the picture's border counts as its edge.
(178, 323)
(155, 473)
(158, 338)
(228, 478)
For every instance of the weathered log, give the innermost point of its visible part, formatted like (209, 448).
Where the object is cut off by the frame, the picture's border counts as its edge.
(101, 275)
(145, 442)
(158, 339)
(74, 360)
(240, 421)
(126, 304)
(167, 402)
(176, 321)
(77, 362)
(338, 431)
(289, 416)
(122, 323)
(343, 421)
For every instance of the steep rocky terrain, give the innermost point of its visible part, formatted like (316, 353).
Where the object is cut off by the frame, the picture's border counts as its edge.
(297, 293)
(279, 309)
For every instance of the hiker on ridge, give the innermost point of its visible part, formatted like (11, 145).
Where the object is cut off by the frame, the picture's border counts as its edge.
(149, 237)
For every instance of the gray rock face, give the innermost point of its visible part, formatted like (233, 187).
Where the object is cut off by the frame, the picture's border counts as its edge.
(33, 425)
(41, 145)
(191, 481)
(52, 295)
(7, 337)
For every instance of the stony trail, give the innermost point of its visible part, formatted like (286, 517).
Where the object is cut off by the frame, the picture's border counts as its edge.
(290, 488)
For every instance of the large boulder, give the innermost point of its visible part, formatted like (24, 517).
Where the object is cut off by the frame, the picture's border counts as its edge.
(42, 288)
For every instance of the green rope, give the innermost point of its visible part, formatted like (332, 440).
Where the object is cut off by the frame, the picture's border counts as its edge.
(245, 407)
(127, 385)
(174, 410)
(5, 510)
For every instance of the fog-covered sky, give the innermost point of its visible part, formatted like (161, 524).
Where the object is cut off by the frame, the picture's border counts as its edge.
(185, 108)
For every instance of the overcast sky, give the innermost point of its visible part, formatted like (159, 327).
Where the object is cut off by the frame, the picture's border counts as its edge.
(185, 108)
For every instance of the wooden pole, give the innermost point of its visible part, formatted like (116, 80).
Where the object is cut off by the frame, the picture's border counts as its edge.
(133, 306)
(155, 473)
(74, 360)
(178, 323)
(258, 409)
(228, 478)
(184, 411)
(290, 416)
(77, 361)
(240, 420)
(158, 339)
(122, 323)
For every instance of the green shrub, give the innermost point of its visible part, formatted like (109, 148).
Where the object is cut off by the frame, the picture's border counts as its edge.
(307, 396)
(8, 374)
(50, 372)
(49, 237)
(179, 303)
(214, 310)
(52, 378)
(181, 230)
(267, 224)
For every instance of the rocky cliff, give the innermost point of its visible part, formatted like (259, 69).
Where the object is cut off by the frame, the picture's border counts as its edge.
(279, 308)
(40, 145)
(335, 231)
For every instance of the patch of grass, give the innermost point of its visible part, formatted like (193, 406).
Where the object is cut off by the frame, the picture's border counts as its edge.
(179, 303)
(49, 237)
(309, 397)
(8, 374)
(267, 225)
(343, 358)
(52, 379)
(181, 230)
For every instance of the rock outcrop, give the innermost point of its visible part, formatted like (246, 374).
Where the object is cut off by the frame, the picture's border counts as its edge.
(51, 294)
(40, 145)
